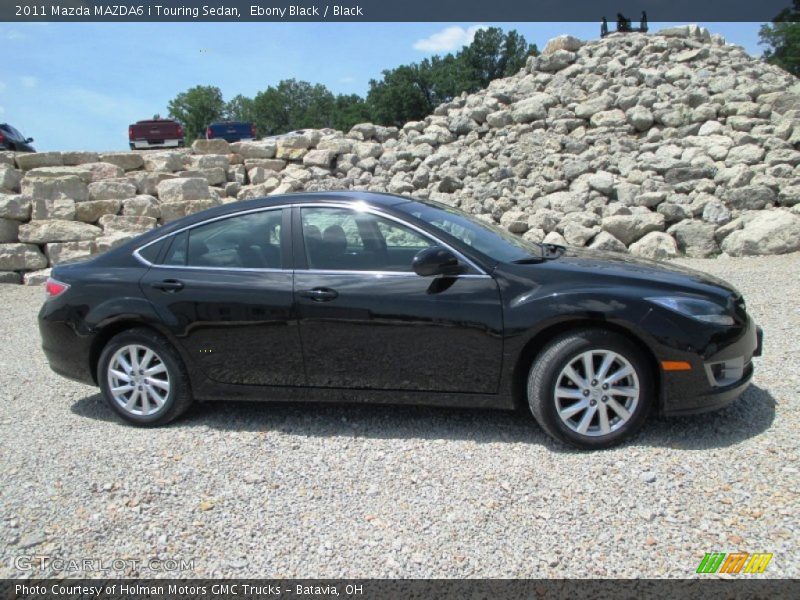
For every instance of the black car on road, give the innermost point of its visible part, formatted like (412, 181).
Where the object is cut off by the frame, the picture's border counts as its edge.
(365, 297)
(11, 139)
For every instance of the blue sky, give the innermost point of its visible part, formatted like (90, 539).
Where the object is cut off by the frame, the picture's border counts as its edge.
(77, 86)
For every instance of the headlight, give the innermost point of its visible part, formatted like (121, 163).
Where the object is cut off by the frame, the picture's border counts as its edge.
(696, 308)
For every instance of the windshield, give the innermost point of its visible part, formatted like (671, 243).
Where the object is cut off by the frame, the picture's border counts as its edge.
(496, 243)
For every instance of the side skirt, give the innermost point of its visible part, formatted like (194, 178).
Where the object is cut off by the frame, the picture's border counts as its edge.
(218, 391)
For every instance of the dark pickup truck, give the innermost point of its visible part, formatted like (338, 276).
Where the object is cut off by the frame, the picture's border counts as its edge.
(231, 131)
(155, 133)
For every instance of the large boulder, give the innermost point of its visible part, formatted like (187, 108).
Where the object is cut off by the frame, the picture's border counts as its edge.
(60, 208)
(262, 149)
(629, 228)
(10, 179)
(530, 109)
(767, 232)
(695, 238)
(128, 161)
(126, 223)
(319, 158)
(84, 173)
(27, 161)
(59, 252)
(182, 189)
(44, 232)
(111, 190)
(211, 147)
(53, 188)
(21, 257)
(656, 246)
(92, 210)
(15, 207)
(9, 228)
(562, 42)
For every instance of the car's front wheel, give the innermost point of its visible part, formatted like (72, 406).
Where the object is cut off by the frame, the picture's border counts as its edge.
(590, 388)
(143, 379)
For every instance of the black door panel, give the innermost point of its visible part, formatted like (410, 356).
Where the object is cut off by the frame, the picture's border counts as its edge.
(238, 327)
(401, 332)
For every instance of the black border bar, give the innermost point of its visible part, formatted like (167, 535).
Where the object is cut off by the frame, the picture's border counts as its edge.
(740, 587)
(390, 10)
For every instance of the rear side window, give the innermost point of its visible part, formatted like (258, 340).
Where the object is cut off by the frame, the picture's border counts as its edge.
(176, 255)
(150, 253)
(251, 241)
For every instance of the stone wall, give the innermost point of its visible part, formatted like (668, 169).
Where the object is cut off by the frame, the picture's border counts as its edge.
(659, 145)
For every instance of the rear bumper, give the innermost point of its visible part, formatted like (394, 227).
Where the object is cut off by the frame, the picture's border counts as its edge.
(68, 353)
(144, 144)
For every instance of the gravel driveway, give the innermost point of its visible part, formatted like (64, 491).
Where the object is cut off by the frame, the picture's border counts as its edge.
(360, 491)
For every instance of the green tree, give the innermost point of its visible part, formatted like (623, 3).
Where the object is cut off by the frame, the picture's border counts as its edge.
(293, 105)
(349, 110)
(240, 108)
(196, 108)
(782, 37)
(494, 54)
(411, 92)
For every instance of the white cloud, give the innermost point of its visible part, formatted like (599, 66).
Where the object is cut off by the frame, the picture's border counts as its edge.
(29, 81)
(347, 79)
(2, 110)
(448, 39)
(13, 35)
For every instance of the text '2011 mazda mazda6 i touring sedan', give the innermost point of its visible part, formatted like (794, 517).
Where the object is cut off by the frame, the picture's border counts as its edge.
(365, 297)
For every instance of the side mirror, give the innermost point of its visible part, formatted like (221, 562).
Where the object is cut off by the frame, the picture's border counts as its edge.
(29, 140)
(435, 261)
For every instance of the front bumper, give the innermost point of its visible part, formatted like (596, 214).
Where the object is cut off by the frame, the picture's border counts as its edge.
(716, 378)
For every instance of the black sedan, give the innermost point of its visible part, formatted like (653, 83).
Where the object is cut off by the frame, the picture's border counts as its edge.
(364, 297)
(12, 139)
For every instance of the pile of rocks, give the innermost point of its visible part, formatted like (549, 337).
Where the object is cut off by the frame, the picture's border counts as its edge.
(660, 145)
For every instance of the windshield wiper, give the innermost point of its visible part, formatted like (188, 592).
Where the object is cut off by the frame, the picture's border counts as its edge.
(548, 252)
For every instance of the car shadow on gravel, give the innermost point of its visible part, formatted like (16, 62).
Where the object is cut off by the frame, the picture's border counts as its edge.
(749, 416)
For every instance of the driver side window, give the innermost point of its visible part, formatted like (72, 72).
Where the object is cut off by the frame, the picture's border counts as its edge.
(340, 239)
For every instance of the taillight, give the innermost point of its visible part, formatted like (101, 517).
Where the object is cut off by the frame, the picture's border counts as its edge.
(253, 131)
(54, 288)
(209, 133)
(180, 131)
(130, 133)
(2, 137)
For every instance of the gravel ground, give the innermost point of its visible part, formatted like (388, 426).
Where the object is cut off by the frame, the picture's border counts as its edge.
(359, 491)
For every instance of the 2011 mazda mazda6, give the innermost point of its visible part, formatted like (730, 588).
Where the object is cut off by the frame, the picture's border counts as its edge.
(365, 297)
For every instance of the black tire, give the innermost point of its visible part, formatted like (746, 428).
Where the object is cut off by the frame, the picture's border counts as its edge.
(556, 356)
(178, 399)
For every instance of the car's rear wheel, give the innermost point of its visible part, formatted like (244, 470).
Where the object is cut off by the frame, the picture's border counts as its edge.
(143, 378)
(590, 388)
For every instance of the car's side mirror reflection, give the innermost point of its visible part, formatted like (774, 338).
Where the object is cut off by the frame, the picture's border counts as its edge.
(29, 140)
(436, 261)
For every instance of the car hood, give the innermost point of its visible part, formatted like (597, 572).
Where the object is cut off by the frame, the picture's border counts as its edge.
(615, 266)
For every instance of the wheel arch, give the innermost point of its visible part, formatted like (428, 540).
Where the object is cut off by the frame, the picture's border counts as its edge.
(112, 328)
(536, 343)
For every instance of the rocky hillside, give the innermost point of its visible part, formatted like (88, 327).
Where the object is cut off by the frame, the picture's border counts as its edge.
(660, 145)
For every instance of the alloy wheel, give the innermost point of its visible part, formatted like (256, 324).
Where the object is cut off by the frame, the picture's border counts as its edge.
(138, 380)
(597, 392)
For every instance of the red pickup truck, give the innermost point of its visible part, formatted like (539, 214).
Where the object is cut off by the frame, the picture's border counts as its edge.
(155, 133)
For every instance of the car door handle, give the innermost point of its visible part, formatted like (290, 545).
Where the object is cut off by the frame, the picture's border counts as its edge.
(168, 285)
(320, 294)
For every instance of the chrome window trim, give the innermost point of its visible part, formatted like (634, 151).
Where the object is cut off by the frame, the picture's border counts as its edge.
(369, 209)
(146, 262)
